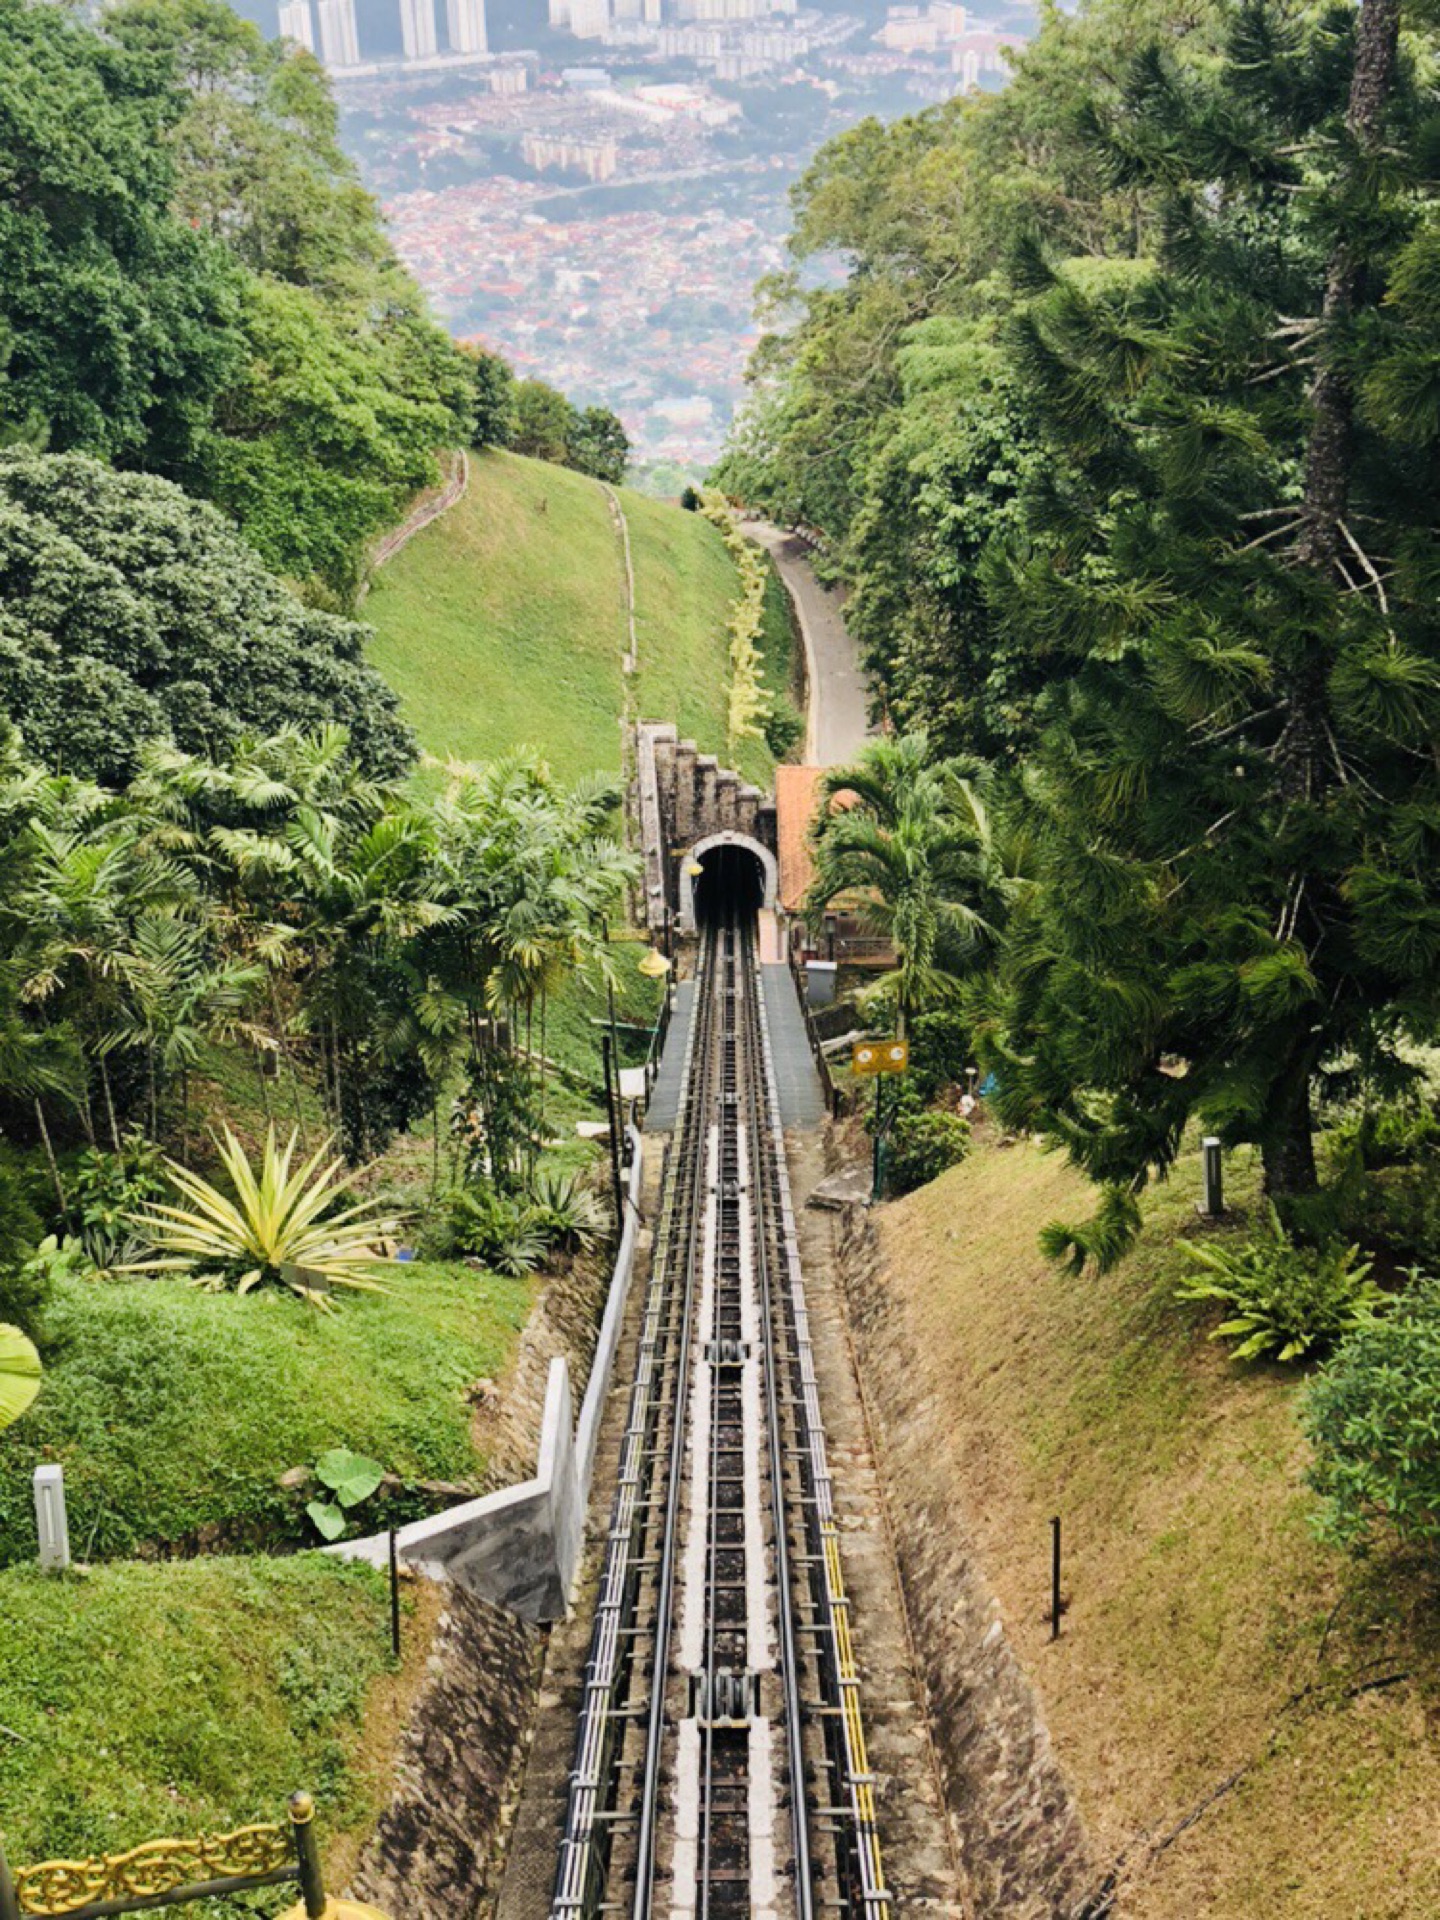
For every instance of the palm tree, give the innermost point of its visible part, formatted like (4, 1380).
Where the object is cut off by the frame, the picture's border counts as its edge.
(930, 866)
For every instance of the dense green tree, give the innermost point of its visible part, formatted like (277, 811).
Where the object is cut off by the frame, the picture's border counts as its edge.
(129, 612)
(118, 321)
(493, 396)
(543, 421)
(1231, 562)
(599, 445)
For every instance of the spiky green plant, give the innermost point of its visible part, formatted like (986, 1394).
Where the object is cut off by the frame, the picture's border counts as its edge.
(283, 1227)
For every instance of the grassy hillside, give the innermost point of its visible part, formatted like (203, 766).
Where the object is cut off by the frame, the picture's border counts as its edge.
(1208, 1629)
(174, 1413)
(503, 623)
(113, 1739)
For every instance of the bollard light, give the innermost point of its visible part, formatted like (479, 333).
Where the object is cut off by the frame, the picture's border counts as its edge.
(50, 1518)
(1212, 1204)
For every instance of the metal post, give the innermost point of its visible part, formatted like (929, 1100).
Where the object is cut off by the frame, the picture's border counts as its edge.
(877, 1163)
(51, 1522)
(612, 1108)
(394, 1597)
(307, 1855)
(1055, 1578)
(9, 1899)
(1213, 1177)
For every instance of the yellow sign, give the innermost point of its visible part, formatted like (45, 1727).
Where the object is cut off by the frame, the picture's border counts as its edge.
(880, 1056)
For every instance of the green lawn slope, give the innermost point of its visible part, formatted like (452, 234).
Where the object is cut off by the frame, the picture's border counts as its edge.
(174, 1412)
(502, 624)
(150, 1701)
(1217, 1661)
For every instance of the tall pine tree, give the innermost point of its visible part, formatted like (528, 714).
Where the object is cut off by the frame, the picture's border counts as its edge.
(1231, 566)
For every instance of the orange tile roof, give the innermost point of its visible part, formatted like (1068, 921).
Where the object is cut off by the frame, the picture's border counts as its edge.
(797, 798)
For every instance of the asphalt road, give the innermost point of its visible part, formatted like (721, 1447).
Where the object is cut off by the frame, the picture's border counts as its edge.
(837, 724)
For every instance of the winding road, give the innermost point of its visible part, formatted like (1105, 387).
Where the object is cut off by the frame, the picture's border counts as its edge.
(838, 720)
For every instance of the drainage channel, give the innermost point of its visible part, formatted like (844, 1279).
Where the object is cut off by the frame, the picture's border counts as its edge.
(720, 1765)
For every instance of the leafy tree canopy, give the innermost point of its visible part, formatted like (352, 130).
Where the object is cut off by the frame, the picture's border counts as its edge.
(129, 612)
(192, 280)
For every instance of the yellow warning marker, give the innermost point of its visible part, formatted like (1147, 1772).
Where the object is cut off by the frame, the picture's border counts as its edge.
(880, 1056)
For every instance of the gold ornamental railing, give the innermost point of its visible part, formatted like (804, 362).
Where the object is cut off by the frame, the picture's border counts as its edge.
(169, 1873)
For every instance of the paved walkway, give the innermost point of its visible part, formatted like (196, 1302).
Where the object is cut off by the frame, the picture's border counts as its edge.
(802, 1102)
(838, 723)
(665, 1094)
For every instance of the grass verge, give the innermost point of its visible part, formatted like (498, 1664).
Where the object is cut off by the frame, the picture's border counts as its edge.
(248, 1679)
(1208, 1630)
(174, 1413)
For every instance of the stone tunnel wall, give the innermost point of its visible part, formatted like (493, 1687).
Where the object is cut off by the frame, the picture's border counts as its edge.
(682, 796)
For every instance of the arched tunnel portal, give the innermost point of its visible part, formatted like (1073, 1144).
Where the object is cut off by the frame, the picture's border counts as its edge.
(734, 869)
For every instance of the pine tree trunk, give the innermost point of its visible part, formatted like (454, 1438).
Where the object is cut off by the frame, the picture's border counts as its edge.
(1332, 401)
(1287, 1136)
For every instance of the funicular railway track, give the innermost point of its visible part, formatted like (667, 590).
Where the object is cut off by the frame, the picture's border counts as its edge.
(720, 1764)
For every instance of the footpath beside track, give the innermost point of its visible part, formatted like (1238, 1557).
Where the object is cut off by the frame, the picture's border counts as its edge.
(720, 1764)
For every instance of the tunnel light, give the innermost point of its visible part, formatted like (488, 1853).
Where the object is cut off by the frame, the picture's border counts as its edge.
(694, 869)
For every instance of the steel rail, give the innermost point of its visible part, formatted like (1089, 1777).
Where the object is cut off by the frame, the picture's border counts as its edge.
(744, 1241)
(585, 1849)
(865, 1894)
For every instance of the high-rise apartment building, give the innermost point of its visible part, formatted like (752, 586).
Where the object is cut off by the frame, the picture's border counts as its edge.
(297, 23)
(559, 13)
(589, 19)
(339, 39)
(417, 28)
(465, 26)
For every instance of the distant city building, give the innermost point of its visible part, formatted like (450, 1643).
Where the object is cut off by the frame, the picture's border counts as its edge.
(417, 28)
(509, 76)
(589, 19)
(465, 26)
(297, 23)
(922, 29)
(585, 79)
(982, 51)
(339, 40)
(559, 14)
(548, 152)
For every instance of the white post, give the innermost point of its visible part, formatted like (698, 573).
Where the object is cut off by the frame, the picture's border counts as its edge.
(50, 1517)
(1213, 1204)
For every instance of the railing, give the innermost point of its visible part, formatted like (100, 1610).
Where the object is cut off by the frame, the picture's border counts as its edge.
(835, 1098)
(161, 1873)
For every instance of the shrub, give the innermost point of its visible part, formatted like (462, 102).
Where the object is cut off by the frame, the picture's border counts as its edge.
(105, 1193)
(567, 1212)
(284, 1227)
(1371, 1415)
(497, 1229)
(783, 730)
(1288, 1300)
(923, 1145)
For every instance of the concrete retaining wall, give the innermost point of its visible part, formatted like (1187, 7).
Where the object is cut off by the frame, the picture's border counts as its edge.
(520, 1547)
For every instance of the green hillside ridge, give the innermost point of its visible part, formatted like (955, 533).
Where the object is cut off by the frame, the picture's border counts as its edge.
(502, 624)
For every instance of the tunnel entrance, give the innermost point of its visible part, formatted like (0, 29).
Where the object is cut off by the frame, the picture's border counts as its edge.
(731, 885)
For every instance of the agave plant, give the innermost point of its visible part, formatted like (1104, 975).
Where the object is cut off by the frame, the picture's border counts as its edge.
(502, 1232)
(567, 1212)
(283, 1226)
